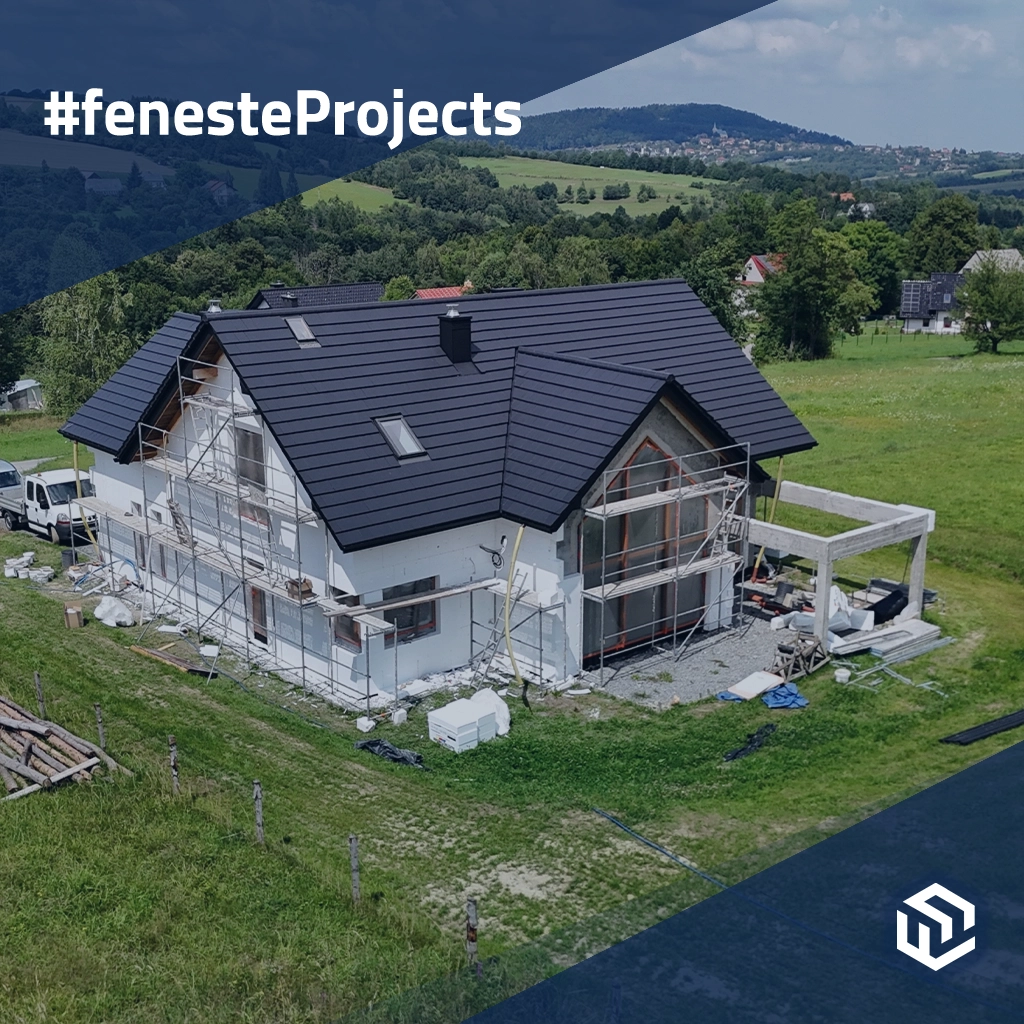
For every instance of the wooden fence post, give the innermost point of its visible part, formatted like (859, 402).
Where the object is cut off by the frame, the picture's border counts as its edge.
(175, 786)
(471, 925)
(39, 697)
(257, 802)
(353, 860)
(99, 727)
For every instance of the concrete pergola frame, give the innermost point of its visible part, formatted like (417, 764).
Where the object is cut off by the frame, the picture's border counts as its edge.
(887, 524)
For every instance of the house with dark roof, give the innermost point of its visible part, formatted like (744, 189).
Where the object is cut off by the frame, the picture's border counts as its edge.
(281, 296)
(929, 306)
(358, 495)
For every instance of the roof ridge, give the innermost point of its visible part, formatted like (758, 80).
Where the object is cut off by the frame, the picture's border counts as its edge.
(227, 314)
(603, 364)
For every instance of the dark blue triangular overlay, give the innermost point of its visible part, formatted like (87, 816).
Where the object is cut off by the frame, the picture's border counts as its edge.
(813, 939)
(52, 234)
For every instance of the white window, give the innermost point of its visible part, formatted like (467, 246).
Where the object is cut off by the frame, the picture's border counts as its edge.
(302, 332)
(398, 434)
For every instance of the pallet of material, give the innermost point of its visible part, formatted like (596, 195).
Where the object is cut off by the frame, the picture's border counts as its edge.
(36, 754)
(174, 661)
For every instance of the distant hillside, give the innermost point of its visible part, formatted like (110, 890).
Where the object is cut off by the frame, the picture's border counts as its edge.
(603, 126)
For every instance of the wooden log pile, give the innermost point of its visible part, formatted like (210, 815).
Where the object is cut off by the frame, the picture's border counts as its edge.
(36, 754)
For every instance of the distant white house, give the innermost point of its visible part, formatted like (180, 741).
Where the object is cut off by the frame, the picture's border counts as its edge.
(929, 307)
(1007, 259)
(24, 395)
(758, 269)
(865, 210)
(221, 192)
(102, 186)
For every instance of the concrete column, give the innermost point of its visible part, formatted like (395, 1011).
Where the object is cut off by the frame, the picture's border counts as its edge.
(821, 596)
(919, 553)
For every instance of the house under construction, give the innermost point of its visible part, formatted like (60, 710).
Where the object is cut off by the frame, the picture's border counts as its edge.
(364, 494)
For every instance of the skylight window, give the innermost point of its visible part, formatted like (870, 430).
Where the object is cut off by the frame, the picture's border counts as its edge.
(397, 433)
(302, 332)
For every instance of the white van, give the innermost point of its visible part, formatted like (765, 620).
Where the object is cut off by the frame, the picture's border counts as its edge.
(44, 502)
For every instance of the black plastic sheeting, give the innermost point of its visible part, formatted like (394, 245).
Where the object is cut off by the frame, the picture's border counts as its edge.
(382, 748)
(986, 729)
(755, 741)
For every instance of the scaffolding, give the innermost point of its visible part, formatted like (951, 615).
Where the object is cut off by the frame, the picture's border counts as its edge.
(682, 523)
(218, 533)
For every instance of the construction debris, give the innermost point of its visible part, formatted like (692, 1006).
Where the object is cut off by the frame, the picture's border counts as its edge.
(755, 741)
(785, 696)
(753, 685)
(175, 662)
(799, 658)
(112, 612)
(382, 748)
(986, 729)
(36, 754)
(900, 638)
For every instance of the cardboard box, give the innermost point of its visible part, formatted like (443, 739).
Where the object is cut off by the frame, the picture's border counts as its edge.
(73, 618)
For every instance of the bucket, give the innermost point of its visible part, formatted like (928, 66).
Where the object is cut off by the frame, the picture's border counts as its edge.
(842, 675)
(67, 558)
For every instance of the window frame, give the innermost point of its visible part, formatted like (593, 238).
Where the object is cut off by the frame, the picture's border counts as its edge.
(351, 636)
(416, 630)
(399, 453)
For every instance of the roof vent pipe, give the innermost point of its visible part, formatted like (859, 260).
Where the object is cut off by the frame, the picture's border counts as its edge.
(456, 335)
(214, 306)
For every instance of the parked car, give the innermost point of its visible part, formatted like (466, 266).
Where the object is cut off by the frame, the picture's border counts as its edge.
(44, 502)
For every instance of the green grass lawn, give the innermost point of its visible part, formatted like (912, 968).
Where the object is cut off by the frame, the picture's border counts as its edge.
(124, 904)
(518, 170)
(30, 436)
(362, 195)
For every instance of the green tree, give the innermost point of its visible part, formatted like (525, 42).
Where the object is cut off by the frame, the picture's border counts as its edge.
(992, 305)
(582, 194)
(398, 288)
(12, 357)
(804, 308)
(292, 186)
(879, 257)
(645, 193)
(711, 274)
(578, 261)
(268, 188)
(85, 340)
(944, 236)
(134, 179)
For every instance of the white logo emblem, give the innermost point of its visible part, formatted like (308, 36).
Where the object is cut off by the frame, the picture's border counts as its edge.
(922, 951)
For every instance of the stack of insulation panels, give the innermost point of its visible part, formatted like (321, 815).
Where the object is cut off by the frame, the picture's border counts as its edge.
(461, 725)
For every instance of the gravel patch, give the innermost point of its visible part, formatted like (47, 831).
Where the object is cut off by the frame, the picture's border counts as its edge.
(709, 665)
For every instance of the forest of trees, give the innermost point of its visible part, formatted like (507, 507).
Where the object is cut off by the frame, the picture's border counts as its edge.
(460, 224)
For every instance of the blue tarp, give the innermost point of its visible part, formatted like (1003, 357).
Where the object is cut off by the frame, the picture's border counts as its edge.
(785, 696)
(726, 695)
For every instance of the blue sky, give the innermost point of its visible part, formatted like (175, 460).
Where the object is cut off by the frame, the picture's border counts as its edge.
(922, 72)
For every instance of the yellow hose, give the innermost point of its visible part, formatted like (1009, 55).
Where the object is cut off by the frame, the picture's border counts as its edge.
(508, 611)
(771, 518)
(78, 489)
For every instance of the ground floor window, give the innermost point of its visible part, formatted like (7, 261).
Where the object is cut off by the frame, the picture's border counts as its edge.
(347, 632)
(140, 552)
(412, 620)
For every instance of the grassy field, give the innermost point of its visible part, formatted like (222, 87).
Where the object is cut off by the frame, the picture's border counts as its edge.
(516, 170)
(35, 437)
(362, 195)
(123, 903)
(31, 150)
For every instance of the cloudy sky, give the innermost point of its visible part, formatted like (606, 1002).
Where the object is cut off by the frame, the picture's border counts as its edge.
(924, 72)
